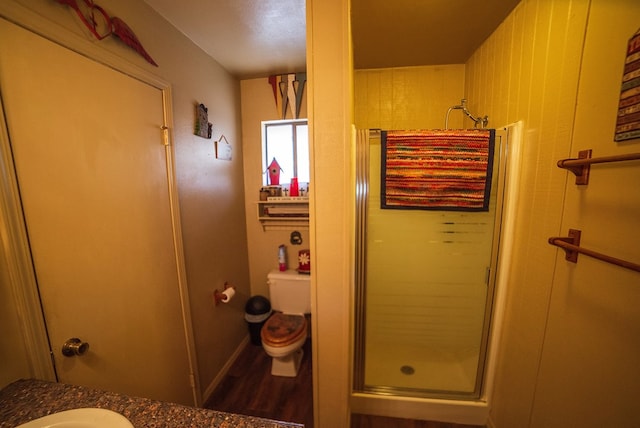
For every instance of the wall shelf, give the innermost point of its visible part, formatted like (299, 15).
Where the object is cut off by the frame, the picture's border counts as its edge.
(284, 213)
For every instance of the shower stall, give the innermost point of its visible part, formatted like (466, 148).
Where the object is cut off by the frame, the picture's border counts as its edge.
(425, 294)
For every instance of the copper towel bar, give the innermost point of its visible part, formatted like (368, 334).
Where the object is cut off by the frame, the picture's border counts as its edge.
(581, 166)
(571, 246)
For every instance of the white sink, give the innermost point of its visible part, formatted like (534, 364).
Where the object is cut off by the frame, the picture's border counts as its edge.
(80, 418)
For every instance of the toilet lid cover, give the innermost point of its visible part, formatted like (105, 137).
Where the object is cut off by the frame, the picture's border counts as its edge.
(282, 329)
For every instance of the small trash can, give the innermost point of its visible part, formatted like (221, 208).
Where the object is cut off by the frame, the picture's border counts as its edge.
(256, 312)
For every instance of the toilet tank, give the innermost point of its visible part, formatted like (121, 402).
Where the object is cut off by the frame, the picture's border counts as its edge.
(290, 291)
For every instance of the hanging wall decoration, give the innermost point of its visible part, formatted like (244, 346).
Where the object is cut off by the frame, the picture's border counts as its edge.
(203, 128)
(284, 94)
(223, 149)
(101, 25)
(298, 87)
(287, 93)
(628, 120)
(273, 81)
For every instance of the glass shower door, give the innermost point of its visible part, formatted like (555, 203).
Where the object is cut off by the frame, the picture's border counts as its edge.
(425, 283)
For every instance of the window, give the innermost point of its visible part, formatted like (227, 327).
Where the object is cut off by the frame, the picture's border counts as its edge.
(286, 141)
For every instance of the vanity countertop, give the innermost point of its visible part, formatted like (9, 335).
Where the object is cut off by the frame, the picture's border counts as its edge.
(28, 399)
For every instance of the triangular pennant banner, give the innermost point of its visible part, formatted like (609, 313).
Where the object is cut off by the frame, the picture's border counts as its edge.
(291, 95)
(298, 87)
(284, 92)
(273, 81)
(288, 90)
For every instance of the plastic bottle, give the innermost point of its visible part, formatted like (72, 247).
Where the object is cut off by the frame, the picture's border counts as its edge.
(282, 258)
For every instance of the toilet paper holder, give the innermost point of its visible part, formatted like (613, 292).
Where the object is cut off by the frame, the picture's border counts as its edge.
(225, 295)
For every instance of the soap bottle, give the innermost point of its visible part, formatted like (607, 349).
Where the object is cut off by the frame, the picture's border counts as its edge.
(282, 258)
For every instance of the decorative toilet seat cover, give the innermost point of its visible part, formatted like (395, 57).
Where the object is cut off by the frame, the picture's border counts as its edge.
(283, 329)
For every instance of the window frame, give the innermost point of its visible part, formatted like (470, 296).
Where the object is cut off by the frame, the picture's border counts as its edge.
(294, 123)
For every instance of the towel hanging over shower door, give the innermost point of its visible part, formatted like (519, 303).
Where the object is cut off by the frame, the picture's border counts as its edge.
(437, 169)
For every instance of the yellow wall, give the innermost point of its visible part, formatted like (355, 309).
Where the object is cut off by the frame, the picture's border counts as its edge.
(210, 190)
(594, 320)
(408, 97)
(258, 105)
(516, 75)
(569, 347)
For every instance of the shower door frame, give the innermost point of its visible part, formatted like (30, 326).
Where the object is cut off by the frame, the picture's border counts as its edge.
(361, 209)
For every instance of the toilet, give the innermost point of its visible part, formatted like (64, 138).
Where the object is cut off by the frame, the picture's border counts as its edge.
(284, 333)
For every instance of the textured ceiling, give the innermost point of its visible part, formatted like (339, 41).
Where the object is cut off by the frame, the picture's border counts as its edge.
(252, 38)
(249, 38)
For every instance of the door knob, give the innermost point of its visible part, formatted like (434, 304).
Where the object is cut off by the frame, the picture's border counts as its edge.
(74, 346)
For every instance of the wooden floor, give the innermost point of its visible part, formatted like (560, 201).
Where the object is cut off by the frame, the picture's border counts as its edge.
(250, 389)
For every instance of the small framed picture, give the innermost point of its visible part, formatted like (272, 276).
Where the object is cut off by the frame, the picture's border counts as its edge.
(203, 128)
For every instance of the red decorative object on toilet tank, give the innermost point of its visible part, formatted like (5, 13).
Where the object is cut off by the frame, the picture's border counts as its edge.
(304, 261)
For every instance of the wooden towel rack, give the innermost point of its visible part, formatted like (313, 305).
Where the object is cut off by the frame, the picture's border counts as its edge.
(581, 166)
(571, 245)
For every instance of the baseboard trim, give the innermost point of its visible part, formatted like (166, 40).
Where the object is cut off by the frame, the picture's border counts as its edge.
(225, 369)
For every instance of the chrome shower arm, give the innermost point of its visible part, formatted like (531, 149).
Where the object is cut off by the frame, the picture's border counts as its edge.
(463, 106)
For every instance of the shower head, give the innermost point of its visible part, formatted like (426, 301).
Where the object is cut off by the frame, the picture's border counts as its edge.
(463, 106)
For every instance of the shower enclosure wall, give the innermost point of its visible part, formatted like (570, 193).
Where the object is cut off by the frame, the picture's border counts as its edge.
(425, 283)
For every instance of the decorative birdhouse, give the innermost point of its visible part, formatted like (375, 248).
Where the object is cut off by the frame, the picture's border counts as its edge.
(274, 172)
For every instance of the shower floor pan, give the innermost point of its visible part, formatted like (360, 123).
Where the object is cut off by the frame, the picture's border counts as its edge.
(420, 367)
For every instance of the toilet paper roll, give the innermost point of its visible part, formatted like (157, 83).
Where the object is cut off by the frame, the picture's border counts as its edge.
(227, 295)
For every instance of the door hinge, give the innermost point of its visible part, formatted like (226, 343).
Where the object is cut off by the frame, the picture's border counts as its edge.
(165, 135)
